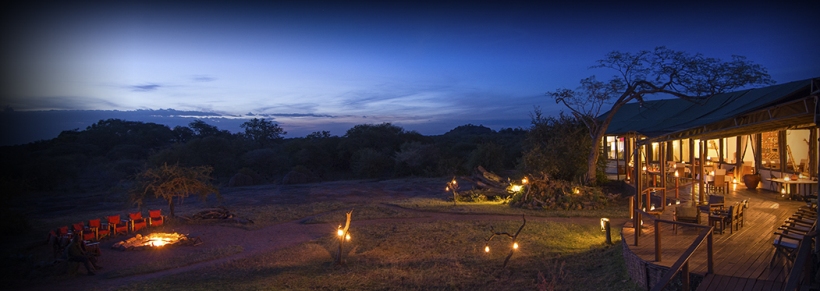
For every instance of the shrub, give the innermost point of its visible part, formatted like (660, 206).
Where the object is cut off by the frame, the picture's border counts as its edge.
(369, 163)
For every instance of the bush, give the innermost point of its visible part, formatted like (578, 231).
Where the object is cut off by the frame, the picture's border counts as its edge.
(369, 163)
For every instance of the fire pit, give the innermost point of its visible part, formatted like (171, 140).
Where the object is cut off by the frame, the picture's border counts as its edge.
(154, 240)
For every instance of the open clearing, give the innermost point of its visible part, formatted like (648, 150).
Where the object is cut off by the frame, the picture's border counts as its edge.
(406, 235)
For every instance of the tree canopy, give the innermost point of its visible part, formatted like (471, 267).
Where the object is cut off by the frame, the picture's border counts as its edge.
(172, 181)
(692, 77)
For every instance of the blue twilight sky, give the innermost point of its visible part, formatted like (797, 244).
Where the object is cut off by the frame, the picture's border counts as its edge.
(426, 66)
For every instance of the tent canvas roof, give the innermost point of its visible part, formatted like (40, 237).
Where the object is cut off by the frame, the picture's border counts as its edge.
(658, 118)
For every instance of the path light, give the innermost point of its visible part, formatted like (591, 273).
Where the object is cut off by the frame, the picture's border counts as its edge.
(516, 188)
(605, 227)
(515, 245)
(486, 249)
(524, 181)
(577, 191)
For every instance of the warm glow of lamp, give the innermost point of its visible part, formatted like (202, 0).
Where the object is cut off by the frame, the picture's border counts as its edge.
(515, 245)
(712, 173)
(734, 180)
(486, 249)
(340, 232)
(644, 168)
(447, 188)
(454, 182)
(782, 191)
(577, 191)
(516, 188)
(786, 178)
(676, 174)
(347, 237)
(525, 181)
(603, 223)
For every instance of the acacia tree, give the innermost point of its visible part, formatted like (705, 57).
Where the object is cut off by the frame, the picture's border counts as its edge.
(262, 131)
(691, 77)
(172, 181)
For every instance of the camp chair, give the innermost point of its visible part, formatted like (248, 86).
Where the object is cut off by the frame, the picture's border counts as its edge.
(116, 225)
(137, 221)
(715, 204)
(99, 231)
(78, 228)
(786, 241)
(155, 217)
(59, 239)
(732, 217)
(685, 214)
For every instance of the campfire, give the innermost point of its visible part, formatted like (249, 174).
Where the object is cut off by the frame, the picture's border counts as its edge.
(154, 240)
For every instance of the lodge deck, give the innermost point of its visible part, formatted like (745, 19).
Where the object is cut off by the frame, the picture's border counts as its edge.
(740, 258)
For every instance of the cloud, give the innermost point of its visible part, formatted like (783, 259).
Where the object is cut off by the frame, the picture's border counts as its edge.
(144, 88)
(62, 103)
(203, 78)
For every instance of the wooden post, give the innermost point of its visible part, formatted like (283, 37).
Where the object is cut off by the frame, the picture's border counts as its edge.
(608, 232)
(343, 235)
(684, 277)
(657, 241)
(710, 268)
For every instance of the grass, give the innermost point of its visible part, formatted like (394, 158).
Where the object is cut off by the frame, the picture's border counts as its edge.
(615, 209)
(413, 256)
(176, 261)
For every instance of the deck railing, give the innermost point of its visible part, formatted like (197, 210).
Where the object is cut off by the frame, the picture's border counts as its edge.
(682, 264)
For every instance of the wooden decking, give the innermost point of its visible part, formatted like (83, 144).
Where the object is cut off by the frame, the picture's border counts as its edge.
(741, 259)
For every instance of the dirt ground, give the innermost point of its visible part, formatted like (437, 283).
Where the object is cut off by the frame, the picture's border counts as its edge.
(253, 242)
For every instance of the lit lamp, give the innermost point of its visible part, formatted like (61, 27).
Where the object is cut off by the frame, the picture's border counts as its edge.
(486, 249)
(786, 178)
(515, 246)
(524, 181)
(605, 227)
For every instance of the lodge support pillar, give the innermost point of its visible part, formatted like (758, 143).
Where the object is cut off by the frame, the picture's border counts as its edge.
(702, 170)
(738, 159)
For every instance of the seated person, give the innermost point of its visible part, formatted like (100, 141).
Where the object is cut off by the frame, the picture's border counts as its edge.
(76, 252)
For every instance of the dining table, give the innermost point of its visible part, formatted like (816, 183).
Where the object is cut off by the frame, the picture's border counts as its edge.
(796, 188)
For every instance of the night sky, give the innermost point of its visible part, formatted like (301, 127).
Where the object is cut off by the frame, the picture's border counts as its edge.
(312, 66)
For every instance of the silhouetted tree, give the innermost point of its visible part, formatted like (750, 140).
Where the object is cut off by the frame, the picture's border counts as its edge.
(173, 182)
(261, 131)
(662, 71)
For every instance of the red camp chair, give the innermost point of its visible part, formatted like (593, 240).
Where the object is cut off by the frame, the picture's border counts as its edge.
(99, 231)
(137, 221)
(78, 228)
(116, 225)
(155, 217)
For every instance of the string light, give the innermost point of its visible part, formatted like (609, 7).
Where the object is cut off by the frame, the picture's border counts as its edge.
(515, 245)
(486, 249)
